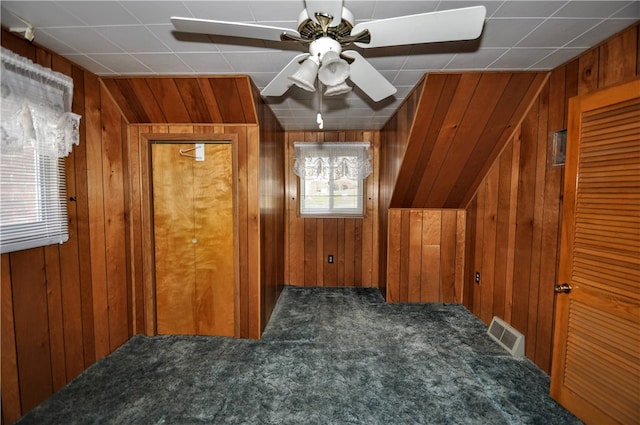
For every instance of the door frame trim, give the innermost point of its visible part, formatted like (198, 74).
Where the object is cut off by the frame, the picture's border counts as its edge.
(148, 248)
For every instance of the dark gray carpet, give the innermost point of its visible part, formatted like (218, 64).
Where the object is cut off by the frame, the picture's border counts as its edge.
(328, 356)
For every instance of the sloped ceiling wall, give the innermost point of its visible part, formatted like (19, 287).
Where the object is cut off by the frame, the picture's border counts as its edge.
(461, 123)
(182, 100)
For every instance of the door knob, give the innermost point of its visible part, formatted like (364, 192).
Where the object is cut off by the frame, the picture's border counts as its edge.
(562, 288)
(194, 240)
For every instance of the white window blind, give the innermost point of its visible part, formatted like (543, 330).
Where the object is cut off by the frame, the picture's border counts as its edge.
(332, 177)
(38, 130)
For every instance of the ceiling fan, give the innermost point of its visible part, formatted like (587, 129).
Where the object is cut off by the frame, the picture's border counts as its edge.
(325, 27)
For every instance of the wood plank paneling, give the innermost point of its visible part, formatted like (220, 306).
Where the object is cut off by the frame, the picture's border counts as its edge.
(11, 403)
(113, 204)
(94, 267)
(353, 242)
(93, 292)
(394, 138)
(272, 207)
(441, 88)
(194, 100)
(29, 290)
(526, 234)
(58, 279)
(465, 121)
(424, 262)
(206, 100)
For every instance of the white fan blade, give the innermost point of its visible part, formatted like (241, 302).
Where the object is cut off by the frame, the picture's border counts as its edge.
(365, 76)
(231, 29)
(432, 27)
(281, 83)
(327, 7)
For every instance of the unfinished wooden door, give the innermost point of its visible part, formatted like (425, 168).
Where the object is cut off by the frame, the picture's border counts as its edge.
(596, 359)
(194, 239)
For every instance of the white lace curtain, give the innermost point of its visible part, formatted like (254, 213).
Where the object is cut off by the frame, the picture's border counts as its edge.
(36, 108)
(322, 161)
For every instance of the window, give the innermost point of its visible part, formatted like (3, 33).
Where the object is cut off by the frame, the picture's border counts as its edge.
(332, 178)
(38, 130)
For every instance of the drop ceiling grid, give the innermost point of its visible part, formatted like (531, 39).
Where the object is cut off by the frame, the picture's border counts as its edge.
(136, 38)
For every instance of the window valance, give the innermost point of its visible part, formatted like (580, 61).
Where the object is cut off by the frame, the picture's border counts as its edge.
(36, 108)
(334, 160)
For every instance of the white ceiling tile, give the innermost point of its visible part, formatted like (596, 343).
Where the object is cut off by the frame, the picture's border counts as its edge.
(182, 42)
(408, 78)
(520, 59)
(491, 6)
(300, 96)
(528, 9)
(599, 33)
(133, 39)
(47, 40)
(631, 11)
(99, 12)
(557, 32)
(90, 65)
(236, 11)
(163, 63)
(206, 62)
(270, 11)
(556, 59)
(386, 9)
(148, 12)
(387, 63)
(257, 61)
(362, 10)
(427, 61)
(504, 32)
(235, 44)
(481, 59)
(590, 9)
(121, 61)
(85, 40)
(122, 46)
(261, 79)
(42, 13)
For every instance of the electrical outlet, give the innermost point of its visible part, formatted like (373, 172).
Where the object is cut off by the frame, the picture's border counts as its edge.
(330, 259)
(477, 277)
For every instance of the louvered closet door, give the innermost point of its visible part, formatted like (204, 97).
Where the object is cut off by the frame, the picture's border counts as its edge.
(596, 360)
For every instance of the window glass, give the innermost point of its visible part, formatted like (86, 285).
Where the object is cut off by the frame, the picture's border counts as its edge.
(32, 201)
(332, 178)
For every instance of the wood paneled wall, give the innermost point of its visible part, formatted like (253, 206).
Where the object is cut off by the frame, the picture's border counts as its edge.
(214, 99)
(462, 122)
(394, 138)
(272, 207)
(513, 221)
(234, 106)
(353, 242)
(425, 261)
(64, 307)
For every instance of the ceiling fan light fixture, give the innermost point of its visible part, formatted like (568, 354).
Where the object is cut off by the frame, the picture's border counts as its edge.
(305, 76)
(338, 89)
(334, 70)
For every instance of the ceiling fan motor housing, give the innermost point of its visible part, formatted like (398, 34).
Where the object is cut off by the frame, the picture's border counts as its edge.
(310, 28)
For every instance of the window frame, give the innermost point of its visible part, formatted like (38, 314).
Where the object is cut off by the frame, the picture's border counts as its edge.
(333, 212)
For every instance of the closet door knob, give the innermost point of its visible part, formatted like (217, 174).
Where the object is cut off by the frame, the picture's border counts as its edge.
(194, 240)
